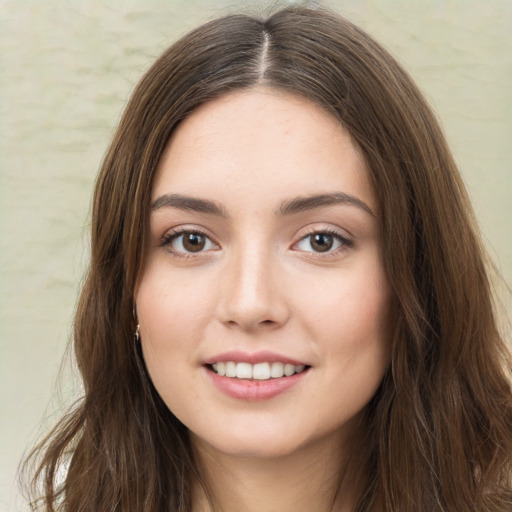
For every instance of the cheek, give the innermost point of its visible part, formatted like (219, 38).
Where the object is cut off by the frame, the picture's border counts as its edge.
(172, 315)
(349, 307)
(169, 342)
(350, 320)
(171, 308)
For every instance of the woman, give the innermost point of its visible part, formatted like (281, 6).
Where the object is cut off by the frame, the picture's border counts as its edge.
(287, 306)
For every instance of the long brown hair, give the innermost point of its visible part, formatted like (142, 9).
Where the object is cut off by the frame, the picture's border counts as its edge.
(439, 430)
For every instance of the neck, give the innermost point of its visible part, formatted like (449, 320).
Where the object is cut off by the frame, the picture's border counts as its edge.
(309, 479)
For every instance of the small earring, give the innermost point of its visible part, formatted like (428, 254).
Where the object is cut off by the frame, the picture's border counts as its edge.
(137, 333)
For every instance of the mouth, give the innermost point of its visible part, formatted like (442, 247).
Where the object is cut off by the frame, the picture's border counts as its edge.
(259, 371)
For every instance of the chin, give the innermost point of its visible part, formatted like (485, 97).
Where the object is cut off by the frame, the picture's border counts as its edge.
(257, 443)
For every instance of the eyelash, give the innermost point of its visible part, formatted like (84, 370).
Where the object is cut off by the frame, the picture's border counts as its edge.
(344, 242)
(170, 237)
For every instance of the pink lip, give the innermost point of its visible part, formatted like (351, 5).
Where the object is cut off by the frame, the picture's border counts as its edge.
(254, 390)
(263, 356)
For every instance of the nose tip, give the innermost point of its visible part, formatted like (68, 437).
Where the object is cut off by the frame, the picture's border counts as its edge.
(254, 311)
(253, 298)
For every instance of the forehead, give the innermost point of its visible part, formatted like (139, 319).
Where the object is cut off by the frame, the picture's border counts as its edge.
(263, 143)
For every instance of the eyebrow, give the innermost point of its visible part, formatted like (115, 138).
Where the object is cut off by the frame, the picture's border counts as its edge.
(189, 203)
(301, 204)
(290, 207)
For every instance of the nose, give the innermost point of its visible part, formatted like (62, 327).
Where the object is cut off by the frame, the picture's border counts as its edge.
(252, 292)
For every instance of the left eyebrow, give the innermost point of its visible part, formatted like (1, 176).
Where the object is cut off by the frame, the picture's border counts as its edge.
(301, 204)
(183, 202)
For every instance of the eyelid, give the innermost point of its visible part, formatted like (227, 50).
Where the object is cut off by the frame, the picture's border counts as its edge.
(172, 234)
(346, 242)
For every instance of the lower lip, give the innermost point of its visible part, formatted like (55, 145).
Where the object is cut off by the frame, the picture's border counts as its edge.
(254, 390)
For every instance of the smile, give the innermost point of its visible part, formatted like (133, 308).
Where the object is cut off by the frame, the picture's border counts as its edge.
(258, 371)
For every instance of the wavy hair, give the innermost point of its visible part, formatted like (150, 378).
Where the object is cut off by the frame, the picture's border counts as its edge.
(439, 429)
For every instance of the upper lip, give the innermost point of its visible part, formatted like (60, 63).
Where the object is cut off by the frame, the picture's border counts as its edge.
(263, 356)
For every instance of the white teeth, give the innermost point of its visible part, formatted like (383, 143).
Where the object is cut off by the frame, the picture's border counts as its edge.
(259, 371)
(277, 370)
(244, 371)
(230, 369)
(289, 369)
(221, 368)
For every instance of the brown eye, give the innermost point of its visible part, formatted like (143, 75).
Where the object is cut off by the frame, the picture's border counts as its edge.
(188, 242)
(321, 242)
(193, 242)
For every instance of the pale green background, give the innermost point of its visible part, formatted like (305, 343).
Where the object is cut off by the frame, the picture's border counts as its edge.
(66, 70)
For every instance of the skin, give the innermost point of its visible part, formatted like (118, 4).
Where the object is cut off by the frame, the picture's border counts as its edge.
(260, 283)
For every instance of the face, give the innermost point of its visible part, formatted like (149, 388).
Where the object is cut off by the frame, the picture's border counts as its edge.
(263, 301)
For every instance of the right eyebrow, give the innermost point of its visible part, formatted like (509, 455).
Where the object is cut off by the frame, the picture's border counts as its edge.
(183, 202)
(300, 204)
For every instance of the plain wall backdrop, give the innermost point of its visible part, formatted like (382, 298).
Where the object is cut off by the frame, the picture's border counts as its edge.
(67, 68)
